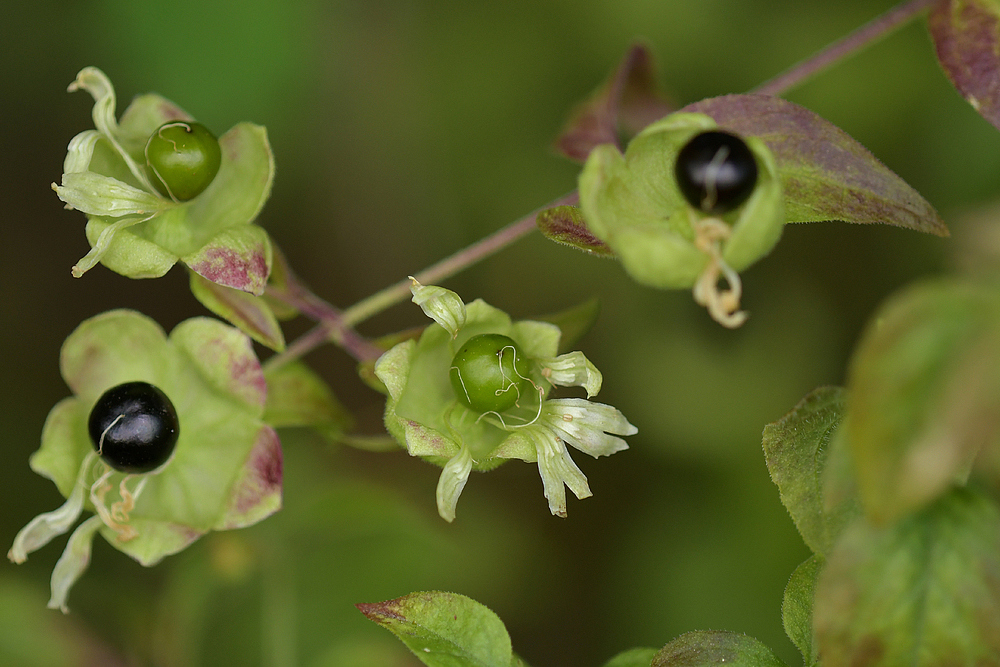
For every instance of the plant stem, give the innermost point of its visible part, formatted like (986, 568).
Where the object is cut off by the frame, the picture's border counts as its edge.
(449, 266)
(860, 38)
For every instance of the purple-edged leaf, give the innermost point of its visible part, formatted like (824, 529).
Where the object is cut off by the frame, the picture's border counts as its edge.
(296, 396)
(628, 101)
(256, 494)
(445, 629)
(565, 225)
(224, 358)
(239, 257)
(825, 174)
(966, 36)
(251, 314)
(715, 647)
(923, 592)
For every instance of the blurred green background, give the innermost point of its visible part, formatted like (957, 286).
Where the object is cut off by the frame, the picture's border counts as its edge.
(404, 131)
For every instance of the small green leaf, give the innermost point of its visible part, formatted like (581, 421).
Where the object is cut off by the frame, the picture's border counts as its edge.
(715, 647)
(796, 448)
(445, 629)
(921, 592)
(565, 225)
(296, 396)
(636, 657)
(825, 174)
(628, 100)
(250, 314)
(924, 395)
(966, 36)
(797, 608)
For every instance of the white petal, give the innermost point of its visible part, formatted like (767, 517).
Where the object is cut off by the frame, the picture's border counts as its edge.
(587, 426)
(441, 305)
(73, 562)
(452, 482)
(44, 527)
(573, 370)
(557, 469)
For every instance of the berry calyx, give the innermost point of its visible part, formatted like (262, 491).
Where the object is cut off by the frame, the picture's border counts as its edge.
(490, 373)
(716, 172)
(134, 427)
(183, 158)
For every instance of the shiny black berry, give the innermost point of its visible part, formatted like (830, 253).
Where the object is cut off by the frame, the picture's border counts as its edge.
(134, 427)
(716, 172)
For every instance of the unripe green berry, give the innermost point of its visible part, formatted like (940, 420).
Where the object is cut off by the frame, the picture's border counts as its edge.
(183, 157)
(490, 373)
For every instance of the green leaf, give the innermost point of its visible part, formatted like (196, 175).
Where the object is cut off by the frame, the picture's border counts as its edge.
(565, 225)
(715, 647)
(628, 100)
(966, 36)
(296, 396)
(796, 448)
(250, 314)
(924, 393)
(797, 608)
(636, 657)
(825, 174)
(920, 592)
(445, 629)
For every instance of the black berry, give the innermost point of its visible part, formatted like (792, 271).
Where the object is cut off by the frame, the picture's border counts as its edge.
(716, 172)
(134, 427)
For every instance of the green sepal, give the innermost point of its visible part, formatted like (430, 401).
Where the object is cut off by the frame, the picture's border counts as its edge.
(226, 470)
(703, 648)
(796, 449)
(922, 591)
(445, 629)
(632, 203)
(924, 394)
(797, 608)
(250, 314)
(297, 396)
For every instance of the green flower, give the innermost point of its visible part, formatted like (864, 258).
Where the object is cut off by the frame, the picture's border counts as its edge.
(226, 469)
(632, 202)
(138, 232)
(426, 416)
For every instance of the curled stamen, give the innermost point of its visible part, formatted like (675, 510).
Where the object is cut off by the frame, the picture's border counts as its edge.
(723, 305)
(116, 518)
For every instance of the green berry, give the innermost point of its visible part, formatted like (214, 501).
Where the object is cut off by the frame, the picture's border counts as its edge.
(490, 373)
(716, 172)
(183, 157)
(134, 427)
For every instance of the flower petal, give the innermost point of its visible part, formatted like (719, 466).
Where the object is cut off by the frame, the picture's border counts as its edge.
(44, 527)
(73, 562)
(95, 194)
(557, 469)
(586, 425)
(441, 305)
(452, 482)
(573, 370)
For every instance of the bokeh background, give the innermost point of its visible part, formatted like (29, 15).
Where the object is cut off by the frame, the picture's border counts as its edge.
(403, 131)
